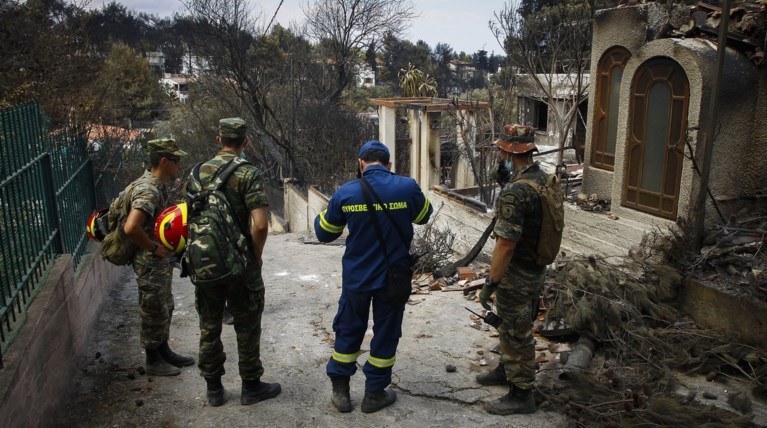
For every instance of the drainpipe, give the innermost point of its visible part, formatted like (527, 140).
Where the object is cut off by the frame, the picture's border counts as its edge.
(579, 358)
(708, 142)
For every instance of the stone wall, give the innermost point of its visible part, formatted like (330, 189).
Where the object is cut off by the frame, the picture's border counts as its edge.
(42, 360)
(296, 209)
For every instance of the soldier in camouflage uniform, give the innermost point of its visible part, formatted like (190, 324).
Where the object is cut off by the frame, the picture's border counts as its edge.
(514, 276)
(247, 198)
(147, 198)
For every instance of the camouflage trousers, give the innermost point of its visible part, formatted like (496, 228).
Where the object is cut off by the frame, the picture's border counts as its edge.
(246, 303)
(155, 297)
(513, 300)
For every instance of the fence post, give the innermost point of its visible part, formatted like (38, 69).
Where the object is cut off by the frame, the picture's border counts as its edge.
(51, 204)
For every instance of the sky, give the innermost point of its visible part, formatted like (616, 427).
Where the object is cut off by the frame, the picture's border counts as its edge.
(463, 24)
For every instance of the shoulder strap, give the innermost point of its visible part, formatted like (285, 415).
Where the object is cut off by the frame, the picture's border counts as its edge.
(224, 172)
(368, 189)
(530, 182)
(220, 177)
(376, 225)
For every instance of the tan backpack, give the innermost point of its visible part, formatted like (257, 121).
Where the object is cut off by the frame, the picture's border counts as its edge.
(553, 218)
(117, 248)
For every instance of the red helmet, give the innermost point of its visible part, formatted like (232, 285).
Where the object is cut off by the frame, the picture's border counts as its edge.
(92, 228)
(170, 228)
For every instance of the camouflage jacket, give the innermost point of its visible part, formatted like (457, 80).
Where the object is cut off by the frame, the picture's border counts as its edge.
(244, 190)
(150, 196)
(519, 217)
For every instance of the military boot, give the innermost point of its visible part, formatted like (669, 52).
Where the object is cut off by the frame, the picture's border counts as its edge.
(173, 358)
(340, 397)
(517, 401)
(157, 366)
(216, 392)
(377, 400)
(496, 376)
(228, 318)
(254, 391)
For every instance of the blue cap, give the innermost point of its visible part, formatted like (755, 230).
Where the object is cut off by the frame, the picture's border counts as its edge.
(373, 145)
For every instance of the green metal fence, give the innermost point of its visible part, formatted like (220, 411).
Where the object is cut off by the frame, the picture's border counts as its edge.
(46, 195)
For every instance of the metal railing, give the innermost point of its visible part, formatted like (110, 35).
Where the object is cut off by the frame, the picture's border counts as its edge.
(46, 195)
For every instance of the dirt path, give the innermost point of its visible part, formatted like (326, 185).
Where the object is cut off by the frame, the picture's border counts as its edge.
(303, 284)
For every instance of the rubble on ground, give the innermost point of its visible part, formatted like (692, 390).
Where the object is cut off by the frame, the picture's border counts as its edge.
(630, 311)
(629, 308)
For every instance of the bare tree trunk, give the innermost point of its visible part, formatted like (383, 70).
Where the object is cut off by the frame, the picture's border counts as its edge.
(452, 268)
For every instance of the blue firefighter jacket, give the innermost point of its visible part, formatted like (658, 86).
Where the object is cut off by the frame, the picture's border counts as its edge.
(364, 267)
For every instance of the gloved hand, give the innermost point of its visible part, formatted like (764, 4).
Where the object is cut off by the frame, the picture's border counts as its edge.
(488, 289)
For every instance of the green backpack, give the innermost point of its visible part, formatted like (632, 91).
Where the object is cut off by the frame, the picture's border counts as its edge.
(553, 222)
(216, 251)
(117, 248)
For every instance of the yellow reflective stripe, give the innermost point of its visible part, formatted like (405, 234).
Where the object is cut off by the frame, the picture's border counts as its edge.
(345, 358)
(90, 226)
(327, 226)
(381, 363)
(423, 211)
(165, 221)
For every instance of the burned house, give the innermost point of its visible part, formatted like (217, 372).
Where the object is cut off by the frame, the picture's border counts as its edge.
(653, 70)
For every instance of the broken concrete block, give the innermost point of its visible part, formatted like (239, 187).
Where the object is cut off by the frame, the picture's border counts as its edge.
(461, 283)
(419, 278)
(482, 362)
(437, 285)
(556, 348)
(465, 272)
(476, 325)
(477, 283)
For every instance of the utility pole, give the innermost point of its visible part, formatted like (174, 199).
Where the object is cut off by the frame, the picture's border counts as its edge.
(708, 143)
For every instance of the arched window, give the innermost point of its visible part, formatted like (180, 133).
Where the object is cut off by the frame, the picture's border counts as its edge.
(604, 134)
(660, 95)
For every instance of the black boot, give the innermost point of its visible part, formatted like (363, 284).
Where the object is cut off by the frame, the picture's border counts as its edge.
(157, 366)
(228, 319)
(340, 397)
(216, 392)
(172, 357)
(517, 401)
(495, 377)
(377, 400)
(254, 391)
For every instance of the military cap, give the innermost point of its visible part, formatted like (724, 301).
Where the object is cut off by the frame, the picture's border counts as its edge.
(232, 127)
(517, 139)
(164, 145)
(373, 145)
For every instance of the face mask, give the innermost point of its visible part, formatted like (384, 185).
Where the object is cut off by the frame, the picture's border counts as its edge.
(506, 168)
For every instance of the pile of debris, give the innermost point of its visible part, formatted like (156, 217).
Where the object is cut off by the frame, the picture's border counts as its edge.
(735, 257)
(630, 312)
(746, 30)
(466, 280)
(591, 202)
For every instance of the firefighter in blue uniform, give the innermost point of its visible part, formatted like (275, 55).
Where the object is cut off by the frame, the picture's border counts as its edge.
(364, 274)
